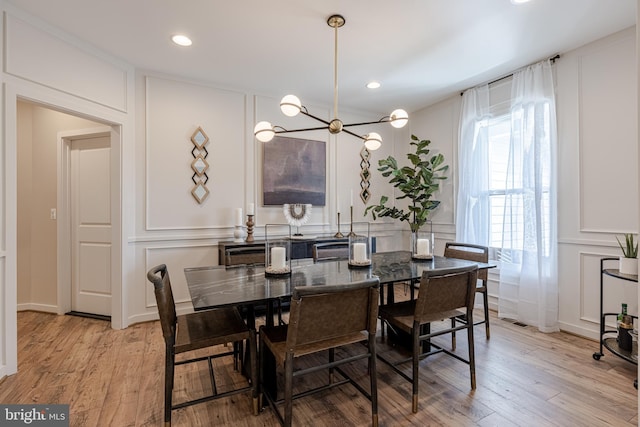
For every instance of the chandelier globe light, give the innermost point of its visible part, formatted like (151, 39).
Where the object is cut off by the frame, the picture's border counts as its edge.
(291, 106)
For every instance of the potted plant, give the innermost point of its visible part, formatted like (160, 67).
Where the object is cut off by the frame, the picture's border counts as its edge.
(629, 262)
(416, 182)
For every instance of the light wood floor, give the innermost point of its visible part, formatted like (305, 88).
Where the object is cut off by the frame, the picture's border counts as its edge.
(525, 378)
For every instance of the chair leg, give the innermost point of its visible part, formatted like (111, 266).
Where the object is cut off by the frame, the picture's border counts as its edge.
(453, 334)
(472, 358)
(485, 298)
(169, 370)
(373, 374)
(253, 352)
(288, 390)
(260, 383)
(332, 358)
(415, 379)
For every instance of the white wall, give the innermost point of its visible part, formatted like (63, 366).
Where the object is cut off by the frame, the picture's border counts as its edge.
(31, 71)
(596, 99)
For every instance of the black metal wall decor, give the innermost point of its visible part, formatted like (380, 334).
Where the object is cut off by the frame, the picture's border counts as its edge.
(199, 165)
(365, 155)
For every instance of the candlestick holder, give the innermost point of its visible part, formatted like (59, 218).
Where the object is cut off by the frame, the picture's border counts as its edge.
(422, 243)
(360, 247)
(278, 249)
(351, 233)
(238, 234)
(338, 234)
(250, 225)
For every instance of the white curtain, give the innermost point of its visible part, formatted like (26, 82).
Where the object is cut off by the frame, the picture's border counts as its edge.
(473, 216)
(528, 289)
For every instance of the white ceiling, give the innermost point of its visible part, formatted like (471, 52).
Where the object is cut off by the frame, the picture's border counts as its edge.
(421, 50)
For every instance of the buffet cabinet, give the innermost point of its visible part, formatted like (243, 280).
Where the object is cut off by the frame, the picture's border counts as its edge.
(237, 253)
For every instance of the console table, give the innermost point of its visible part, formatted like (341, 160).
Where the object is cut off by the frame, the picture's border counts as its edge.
(235, 253)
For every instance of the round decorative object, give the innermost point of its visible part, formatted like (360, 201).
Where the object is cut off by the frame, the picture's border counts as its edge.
(335, 126)
(297, 214)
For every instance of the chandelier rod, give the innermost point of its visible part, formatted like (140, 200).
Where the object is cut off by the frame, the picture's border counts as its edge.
(335, 21)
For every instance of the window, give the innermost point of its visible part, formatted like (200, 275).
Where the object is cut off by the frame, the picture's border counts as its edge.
(509, 202)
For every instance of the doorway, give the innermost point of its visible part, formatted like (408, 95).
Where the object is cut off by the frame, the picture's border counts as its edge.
(65, 230)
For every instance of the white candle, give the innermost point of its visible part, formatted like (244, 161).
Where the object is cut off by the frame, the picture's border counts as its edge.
(250, 209)
(278, 255)
(359, 252)
(238, 216)
(351, 198)
(423, 247)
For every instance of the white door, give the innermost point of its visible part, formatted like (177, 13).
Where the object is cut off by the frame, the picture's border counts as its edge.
(90, 220)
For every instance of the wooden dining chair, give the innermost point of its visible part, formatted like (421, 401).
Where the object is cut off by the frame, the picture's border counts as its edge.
(322, 319)
(443, 295)
(476, 253)
(330, 251)
(199, 330)
(254, 255)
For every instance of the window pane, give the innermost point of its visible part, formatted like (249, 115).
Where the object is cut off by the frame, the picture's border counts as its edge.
(506, 193)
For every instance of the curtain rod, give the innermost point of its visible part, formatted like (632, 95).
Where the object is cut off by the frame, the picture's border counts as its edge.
(552, 59)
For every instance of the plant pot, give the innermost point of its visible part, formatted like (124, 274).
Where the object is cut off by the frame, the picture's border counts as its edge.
(629, 266)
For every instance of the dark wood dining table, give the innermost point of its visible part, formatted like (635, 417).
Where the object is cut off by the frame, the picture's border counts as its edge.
(247, 285)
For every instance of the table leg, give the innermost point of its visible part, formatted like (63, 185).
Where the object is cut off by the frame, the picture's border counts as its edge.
(251, 323)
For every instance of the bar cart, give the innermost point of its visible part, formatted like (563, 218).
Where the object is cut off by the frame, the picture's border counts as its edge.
(609, 337)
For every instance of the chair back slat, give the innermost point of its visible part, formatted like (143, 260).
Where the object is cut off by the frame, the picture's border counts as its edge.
(445, 291)
(327, 312)
(470, 252)
(159, 276)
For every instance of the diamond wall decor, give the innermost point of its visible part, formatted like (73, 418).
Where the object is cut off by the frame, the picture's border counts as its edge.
(365, 155)
(199, 165)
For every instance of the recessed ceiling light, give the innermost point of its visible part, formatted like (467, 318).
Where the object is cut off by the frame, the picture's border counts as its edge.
(181, 40)
(519, 1)
(373, 85)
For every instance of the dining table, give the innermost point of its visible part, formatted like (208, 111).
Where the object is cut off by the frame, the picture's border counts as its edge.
(249, 285)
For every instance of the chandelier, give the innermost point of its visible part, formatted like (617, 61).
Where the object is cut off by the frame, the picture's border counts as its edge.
(291, 106)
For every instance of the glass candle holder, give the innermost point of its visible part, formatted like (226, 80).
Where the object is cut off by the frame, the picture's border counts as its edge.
(422, 243)
(360, 245)
(277, 249)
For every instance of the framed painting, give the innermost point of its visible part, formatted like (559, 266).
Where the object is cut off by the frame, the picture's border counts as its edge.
(294, 171)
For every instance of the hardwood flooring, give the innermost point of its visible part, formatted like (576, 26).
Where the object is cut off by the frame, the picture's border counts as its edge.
(525, 378)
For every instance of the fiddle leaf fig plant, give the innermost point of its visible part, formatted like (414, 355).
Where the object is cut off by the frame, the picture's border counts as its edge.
(417, 182)
(629, 249)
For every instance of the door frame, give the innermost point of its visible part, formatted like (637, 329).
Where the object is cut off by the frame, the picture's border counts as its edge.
(64, 260)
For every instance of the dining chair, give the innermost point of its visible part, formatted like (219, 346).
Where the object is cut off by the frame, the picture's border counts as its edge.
(199, 330)
(472, 252)
(322, 319)
(443, 295)
(330, 251)
(248, 256)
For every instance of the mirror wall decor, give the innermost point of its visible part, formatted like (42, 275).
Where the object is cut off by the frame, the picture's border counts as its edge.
(365, 164)
(199, 165)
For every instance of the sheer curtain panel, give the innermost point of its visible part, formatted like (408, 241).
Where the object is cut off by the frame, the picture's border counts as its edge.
(507, 194)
